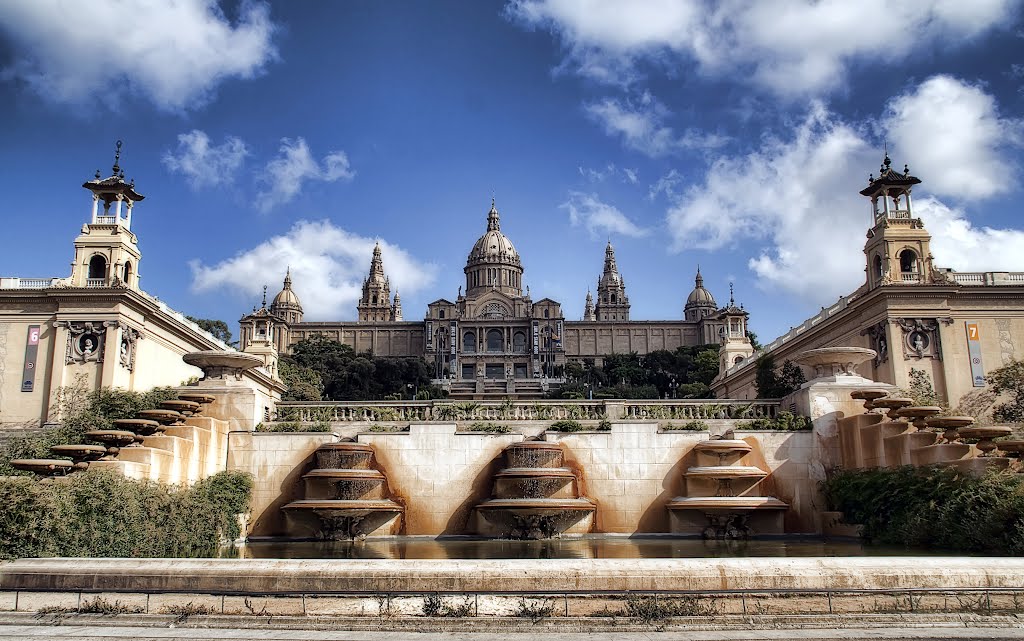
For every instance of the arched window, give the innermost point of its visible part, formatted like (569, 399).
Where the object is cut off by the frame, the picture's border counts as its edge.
(374, 300)
(878, 266)
(127, 271)
(469, 342)
(547, 313)
(908, 261)
(97, 267)
(494, 340)
(613, 299)
(737, 360)
(519, 342)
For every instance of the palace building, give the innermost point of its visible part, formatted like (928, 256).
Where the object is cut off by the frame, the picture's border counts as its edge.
(494, 339)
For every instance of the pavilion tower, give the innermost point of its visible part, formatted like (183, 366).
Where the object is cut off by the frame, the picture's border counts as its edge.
(588, 308)
(396, 308)
(612, 302)
(898, 246)
(375, 303)
(107, 252)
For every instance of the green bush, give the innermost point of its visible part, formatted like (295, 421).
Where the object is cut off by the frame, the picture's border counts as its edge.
(604, 425)
(376, 427)
(100, 513)
(689, 426)
(493, 428)
(784, 422)
(933, 507)
(566, 426)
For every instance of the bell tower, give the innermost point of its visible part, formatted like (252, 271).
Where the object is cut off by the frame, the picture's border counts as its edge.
(375, 304)
(898, 247)
(612, 302)
(107, 252)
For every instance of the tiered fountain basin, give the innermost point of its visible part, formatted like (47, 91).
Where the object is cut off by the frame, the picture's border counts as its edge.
(721, 498)
(81, 455)
(44, 467)
(345, 497)
(535, 496)
(140, 426)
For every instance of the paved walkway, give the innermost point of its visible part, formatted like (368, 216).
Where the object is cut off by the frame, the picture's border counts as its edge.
(130, 633)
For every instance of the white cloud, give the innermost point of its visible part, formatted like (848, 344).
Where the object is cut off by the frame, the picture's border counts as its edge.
(599, 218)
(610, 170)
(328, 266)
(958, 244)
(667, 185)
(954, 135)
(205, 165)
(791, 47)
(294, 166)
(798, 197)
(641, 127)
(172, 53)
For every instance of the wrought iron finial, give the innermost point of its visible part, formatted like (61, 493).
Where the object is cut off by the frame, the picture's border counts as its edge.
(264, 297)
(117, 158)
(732, 301)
(97, 174)
(906, 169)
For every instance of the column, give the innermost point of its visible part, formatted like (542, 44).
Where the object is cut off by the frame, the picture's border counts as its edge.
(128, 216)
(117, 210)
(95, 207)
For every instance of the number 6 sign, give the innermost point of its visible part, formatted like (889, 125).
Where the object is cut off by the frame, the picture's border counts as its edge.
(28, 376)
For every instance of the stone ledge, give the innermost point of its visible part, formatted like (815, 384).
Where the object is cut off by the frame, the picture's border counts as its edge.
(278, 576)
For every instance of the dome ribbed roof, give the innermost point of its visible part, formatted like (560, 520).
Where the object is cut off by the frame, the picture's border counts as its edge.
(286, 297)
(700, 296)
(494, 246)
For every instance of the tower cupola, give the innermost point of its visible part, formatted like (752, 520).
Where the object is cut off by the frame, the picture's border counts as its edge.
(700, 302)
(107, 252)
(375, 303)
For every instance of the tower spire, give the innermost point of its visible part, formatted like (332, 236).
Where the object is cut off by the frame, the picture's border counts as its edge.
(117, 157)
(493, 220)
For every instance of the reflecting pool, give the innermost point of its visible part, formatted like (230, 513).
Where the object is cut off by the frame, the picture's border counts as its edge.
(590, 547)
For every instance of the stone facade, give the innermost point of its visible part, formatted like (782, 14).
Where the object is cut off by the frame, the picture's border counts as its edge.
(96, 328)
(494, 338)
(953, 326)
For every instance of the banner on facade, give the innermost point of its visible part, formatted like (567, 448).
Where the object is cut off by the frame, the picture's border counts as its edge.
(974, 353)
(28, 376)
(536, 338)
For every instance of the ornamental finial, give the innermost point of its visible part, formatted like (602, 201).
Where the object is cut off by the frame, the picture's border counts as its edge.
(117, 158)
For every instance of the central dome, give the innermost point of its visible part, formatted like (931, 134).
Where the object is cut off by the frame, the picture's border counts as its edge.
(493, 246)
(493, 262)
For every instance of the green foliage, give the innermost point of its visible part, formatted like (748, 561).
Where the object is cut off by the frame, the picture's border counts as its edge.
(784, 422)
(604, 425)
(348, 376)
(492, 428)
(216, 327)
(686, 372)
(690, 426)
(387, 428)
(775, 383)
(304, 383)
(1009, 380)
(294, 426)
(933, 507)
(101, 513)
(566, 426)
(80, 411)
(921, 389)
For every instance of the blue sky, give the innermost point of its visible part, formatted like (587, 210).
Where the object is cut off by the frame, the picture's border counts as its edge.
(733, 135)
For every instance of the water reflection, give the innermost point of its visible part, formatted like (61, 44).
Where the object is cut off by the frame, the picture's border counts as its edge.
(567, 548)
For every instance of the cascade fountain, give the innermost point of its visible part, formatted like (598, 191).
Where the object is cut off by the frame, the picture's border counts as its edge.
(127, 432)
(723, 490)
(346, 496)
(535, 496)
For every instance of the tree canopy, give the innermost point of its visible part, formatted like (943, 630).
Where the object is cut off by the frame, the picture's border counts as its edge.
(216, 327)
(772, 382)
(686, 372)
(322, 367)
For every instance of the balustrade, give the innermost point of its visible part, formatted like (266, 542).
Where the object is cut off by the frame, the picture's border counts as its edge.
(444, 410)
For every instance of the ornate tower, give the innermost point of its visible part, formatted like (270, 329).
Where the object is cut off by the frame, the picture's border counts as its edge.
(493, 262)
(286, 304)
(732, 334)
(396, 308)
(898, 246)
(262, 334)
(612, 302)
(700, 302)
(107, 252)
(588, 308)
(375, 304)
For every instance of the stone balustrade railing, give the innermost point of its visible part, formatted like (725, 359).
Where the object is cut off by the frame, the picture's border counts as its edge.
(545, 410)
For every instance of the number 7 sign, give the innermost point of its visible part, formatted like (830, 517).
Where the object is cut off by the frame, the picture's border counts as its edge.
(974, 353)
